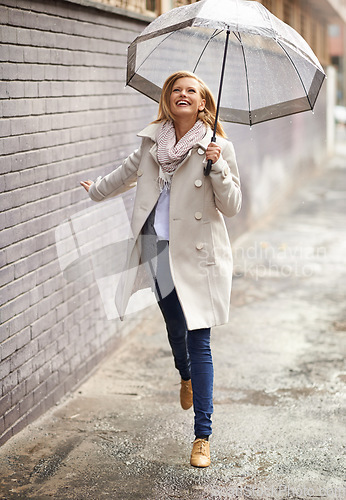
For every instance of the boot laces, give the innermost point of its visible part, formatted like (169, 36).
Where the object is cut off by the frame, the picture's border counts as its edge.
(202, 447)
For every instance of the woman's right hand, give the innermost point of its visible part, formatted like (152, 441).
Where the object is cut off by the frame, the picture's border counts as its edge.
(86, 184)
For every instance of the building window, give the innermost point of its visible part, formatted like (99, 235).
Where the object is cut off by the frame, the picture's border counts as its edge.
(303, 25)
(151, 5)
(179, 3)
(288, 12)
(268, 4)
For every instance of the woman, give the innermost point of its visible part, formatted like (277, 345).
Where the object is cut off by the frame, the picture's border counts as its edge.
(180, 210)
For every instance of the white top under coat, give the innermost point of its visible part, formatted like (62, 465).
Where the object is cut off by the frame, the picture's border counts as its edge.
(161, 223)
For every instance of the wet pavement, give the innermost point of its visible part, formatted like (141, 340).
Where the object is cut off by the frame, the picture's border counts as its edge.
(280, 376)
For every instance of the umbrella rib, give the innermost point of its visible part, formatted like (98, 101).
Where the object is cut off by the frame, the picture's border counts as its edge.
(216, 33)
(247, 78)
(295, 67)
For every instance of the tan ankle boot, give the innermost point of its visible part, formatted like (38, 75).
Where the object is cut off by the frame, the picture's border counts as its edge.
(200, 455)
(186, 394)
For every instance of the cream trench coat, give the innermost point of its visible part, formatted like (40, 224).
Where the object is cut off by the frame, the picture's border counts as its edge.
(199, 248)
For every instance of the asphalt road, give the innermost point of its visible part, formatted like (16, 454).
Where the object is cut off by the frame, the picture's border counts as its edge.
(279, 421)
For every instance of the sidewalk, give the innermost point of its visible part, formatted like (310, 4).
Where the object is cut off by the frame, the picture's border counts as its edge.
(279, 429)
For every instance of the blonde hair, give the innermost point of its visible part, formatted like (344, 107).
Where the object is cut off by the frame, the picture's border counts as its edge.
(207, 115)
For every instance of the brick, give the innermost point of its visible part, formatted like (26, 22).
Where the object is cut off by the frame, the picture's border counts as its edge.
(2, 424)
(23, 337)
(6, 237)
(30, 54)
(43, 39)
(63, 341)
(16, 17)
(25, 72)
(6, 275)
(41, 241)
(8, 347)
(41, 173)
(26, 143)
(5, 404)
(9, 145)
(13, 253)
(51, 351)
(52, 382)
(13, 217)
(4, 330)
(2, 221)
(5, 368)
(30, 89)
(42, 324)
(52, 72)
(26, 404)
(45, 339)
(39, 393)
(4, 20)
(22, 356)
(5, 127)
(38, 107)
(38, 360)
(37, 71)
(46, 272)
(49, 287)
(8, 34)
(15, 54)
(36, 296)
(17, 324)
(5, 163)
(31, 315)
(31, 382)
(11, 181)
(57, 362)
(44, 372)
(18, 161)
(18, 393)
(9, 382)
(15, 306)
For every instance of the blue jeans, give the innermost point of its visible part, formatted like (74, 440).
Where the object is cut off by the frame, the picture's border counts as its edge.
(191, 352)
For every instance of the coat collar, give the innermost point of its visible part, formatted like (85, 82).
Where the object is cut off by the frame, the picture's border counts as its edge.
(152, 129)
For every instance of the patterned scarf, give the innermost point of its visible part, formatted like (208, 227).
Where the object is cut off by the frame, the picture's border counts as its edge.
(170, 154)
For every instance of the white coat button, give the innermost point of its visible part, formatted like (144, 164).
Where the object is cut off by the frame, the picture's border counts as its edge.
(200, 151)
(198, 183)
(139, 172)
(225, 172)
(198, 216)
(200, 246)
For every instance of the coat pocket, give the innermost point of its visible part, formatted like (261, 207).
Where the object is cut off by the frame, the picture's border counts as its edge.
(208, 246)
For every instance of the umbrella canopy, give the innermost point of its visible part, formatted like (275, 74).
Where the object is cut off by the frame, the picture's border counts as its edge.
(269, 69)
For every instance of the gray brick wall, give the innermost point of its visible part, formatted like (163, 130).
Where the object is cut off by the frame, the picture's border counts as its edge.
(66, 116)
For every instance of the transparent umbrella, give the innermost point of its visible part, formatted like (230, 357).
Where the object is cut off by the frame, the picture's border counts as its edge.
(259, 67)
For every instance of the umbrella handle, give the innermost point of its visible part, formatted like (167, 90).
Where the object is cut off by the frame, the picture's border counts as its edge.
(207, 169)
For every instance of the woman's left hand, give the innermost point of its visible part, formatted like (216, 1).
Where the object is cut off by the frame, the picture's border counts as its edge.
(213, 152)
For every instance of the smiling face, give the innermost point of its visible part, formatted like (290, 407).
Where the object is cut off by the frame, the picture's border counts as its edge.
(185, 99)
